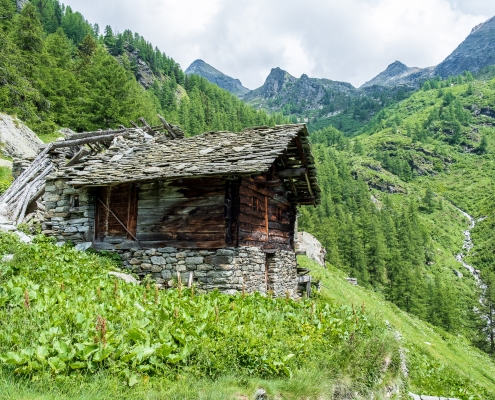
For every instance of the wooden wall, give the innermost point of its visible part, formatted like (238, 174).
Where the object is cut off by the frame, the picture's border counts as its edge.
(200, 213)
(187, 213)
(266, 218)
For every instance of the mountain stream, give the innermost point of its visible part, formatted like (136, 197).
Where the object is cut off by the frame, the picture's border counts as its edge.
(467, 246)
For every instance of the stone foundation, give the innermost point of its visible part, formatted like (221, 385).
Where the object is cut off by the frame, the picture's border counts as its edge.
(229, 270)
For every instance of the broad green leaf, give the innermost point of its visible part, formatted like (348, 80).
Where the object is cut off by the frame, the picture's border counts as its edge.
(102, 353)
(56, 364)
(137, 335)
(78, 365)
(15, 358)
(174, 358)
(88, 351)
(164, 350)
(41, 354)
(145, 353)
(133, 380)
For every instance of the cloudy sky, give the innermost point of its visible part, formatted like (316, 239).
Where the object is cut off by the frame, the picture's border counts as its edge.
(345, 40)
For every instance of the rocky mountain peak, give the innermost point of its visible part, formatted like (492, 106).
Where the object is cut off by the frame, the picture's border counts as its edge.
(276, 81)
(398, 73)
(201, 68)
(397, 68)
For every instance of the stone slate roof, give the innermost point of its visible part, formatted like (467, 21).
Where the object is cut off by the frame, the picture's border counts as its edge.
(250, 152)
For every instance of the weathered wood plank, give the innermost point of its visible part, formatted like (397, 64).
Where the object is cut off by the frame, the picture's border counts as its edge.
(181, 236)
(181, 244)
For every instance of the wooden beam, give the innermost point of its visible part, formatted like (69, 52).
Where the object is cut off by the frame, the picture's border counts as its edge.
(70, 143)
(284, 161)
(305, 164)
(80, 154)
(291, 173)
(266, 218)
(147, 127)
(85, 135)
(167, 126)
(303, 200)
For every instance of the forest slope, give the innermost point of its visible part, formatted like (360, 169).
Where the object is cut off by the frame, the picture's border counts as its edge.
(419, 157)
(57, 71)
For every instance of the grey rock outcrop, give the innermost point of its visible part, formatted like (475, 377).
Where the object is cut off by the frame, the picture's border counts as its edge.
(275, 83)
(474, 53)
(144, 74)
(21, 3)
(234, 86)
(311, 246)
(308, 93)
(16, 139)
(398, 73)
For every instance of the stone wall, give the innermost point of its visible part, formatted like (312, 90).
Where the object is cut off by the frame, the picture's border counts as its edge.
(69, 212)
(229, 270)
(282, 273)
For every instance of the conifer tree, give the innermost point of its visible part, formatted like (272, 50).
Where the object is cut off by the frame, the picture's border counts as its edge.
(429, 200)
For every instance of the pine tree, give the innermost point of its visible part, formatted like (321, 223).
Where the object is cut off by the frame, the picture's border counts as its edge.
(7, 12)
(428, 200)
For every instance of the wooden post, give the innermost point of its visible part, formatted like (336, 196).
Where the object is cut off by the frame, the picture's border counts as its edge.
(167, 127)
(266, 217)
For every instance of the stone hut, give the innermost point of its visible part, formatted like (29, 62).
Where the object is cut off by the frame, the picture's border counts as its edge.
(217, 208)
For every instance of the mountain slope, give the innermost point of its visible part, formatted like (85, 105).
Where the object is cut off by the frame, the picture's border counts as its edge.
(321, 102)
(438, 363)
(234, 86)
(59, 72)
(474, 53)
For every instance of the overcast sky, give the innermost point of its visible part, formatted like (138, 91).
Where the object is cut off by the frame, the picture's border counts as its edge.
(344, 40)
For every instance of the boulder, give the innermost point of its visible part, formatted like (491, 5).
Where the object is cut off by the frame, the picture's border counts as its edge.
(125, 277)
(308, 244)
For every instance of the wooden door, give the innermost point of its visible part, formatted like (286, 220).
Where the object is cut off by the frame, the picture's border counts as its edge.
(116, 213)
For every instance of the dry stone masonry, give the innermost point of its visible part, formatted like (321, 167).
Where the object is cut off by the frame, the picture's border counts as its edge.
(70, 215)
(229, 270)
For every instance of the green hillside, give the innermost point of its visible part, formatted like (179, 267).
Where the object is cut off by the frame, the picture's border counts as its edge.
(396, 171)
(438, 363)
(74, 331)
(419, 157)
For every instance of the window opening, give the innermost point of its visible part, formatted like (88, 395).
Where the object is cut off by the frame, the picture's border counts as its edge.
(74, 200)
(256, 205)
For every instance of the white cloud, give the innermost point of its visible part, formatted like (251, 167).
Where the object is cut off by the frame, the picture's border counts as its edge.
(350, 40)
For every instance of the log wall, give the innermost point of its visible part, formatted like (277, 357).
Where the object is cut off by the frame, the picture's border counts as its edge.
(266, 218)
(188, 213)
